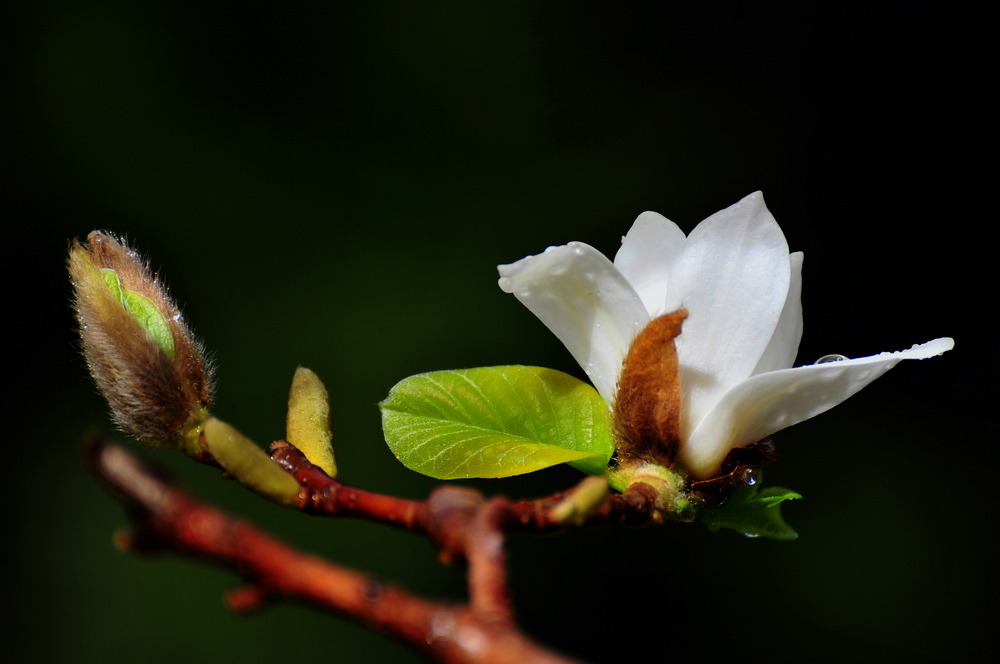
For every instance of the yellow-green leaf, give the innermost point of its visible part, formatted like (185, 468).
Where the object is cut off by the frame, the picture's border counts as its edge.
(496, 422)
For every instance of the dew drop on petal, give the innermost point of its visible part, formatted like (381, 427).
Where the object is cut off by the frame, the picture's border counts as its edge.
(833, 357)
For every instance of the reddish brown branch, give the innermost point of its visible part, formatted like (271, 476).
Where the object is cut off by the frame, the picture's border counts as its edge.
(458, 521)
(166, 517)
(484, 549)
(463, 526)
(329, 497)
(323, 495)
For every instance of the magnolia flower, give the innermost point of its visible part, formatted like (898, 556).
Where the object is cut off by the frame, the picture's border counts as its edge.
(741, 288)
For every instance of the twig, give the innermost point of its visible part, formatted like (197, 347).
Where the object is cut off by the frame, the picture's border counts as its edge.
(328, 497)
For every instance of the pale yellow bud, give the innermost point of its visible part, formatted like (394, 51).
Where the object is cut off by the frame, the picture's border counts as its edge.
(308, 424)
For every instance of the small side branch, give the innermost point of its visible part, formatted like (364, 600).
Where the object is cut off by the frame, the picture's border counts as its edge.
(324, 495)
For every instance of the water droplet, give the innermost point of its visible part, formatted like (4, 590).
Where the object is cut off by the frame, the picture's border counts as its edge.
(833, 357)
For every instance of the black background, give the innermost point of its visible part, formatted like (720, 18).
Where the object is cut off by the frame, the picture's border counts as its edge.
(333, 184)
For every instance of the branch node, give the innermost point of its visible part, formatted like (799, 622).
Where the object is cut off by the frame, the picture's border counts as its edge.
(450, 512)
(372, 590)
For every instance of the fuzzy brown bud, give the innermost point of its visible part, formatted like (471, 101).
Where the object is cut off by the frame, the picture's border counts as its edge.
(142, 356)
(647, 406)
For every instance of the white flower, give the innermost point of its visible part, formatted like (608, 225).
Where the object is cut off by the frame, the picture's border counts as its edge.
(741, 289)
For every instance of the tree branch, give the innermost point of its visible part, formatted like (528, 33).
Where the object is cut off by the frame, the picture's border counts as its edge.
(167, 518)
(465, 528)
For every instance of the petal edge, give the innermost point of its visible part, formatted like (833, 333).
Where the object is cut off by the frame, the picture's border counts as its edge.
(769, 402)
(585, 301)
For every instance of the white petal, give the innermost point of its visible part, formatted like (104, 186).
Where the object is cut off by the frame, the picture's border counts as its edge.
(784, 345)
(732, 275)
(646, 256)
(577, 292)
(772, 401)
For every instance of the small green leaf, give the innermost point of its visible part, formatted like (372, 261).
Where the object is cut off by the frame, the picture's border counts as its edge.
(143, 311)
(113, 282)
(146, 314)
(753, 512)
(496, 422)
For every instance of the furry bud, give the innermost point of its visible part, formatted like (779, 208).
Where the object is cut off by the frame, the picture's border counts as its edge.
(647, 407)
(142, 356)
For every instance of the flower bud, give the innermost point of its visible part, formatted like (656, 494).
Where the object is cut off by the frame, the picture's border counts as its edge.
(308, 423)
(142, 356)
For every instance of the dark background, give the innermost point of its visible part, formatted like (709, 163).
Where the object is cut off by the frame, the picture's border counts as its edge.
(333, 184)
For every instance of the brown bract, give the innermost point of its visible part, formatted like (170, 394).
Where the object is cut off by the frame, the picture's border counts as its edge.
(740, 468)
(647, 406)
(152, 395)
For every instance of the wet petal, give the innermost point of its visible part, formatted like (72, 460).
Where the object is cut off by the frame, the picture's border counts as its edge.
(784, 345)
(732, 276)
(579, 295)
(772, 401)
(646, 257)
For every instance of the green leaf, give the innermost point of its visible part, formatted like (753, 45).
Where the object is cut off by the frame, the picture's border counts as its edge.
(112, 281)
(753, 512)
(143, 311)
(496, 422)
(146, 314)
